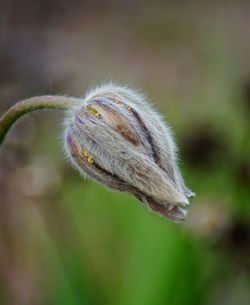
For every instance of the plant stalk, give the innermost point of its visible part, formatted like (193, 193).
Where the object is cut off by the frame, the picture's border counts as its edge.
(32, 104)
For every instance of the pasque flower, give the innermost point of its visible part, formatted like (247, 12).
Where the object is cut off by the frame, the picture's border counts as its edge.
(116, 138)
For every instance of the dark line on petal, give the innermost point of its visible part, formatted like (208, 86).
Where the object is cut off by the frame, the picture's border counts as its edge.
(149, 138)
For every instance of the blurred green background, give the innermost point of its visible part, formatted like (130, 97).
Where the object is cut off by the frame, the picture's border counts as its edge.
(69, 241)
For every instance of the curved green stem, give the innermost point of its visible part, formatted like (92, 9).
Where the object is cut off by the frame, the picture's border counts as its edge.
(32, 104)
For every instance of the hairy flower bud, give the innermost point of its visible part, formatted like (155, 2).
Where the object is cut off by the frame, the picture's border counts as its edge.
(116, 138)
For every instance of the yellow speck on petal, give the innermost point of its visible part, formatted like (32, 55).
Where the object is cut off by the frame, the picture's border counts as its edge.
(93, 111)
(86, 154)
(130, 109)
(90, 160)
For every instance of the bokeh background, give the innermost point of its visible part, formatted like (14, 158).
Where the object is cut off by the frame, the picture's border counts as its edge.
(69, 241)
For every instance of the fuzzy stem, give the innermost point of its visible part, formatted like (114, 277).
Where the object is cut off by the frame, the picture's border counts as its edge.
(32, 104)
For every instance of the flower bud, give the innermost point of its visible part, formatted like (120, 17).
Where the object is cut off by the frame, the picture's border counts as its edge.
(116, 138)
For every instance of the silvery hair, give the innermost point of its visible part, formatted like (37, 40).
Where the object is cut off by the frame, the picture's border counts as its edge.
(117, 138)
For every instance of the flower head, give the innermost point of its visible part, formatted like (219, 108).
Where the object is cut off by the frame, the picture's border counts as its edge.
(116, 138)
